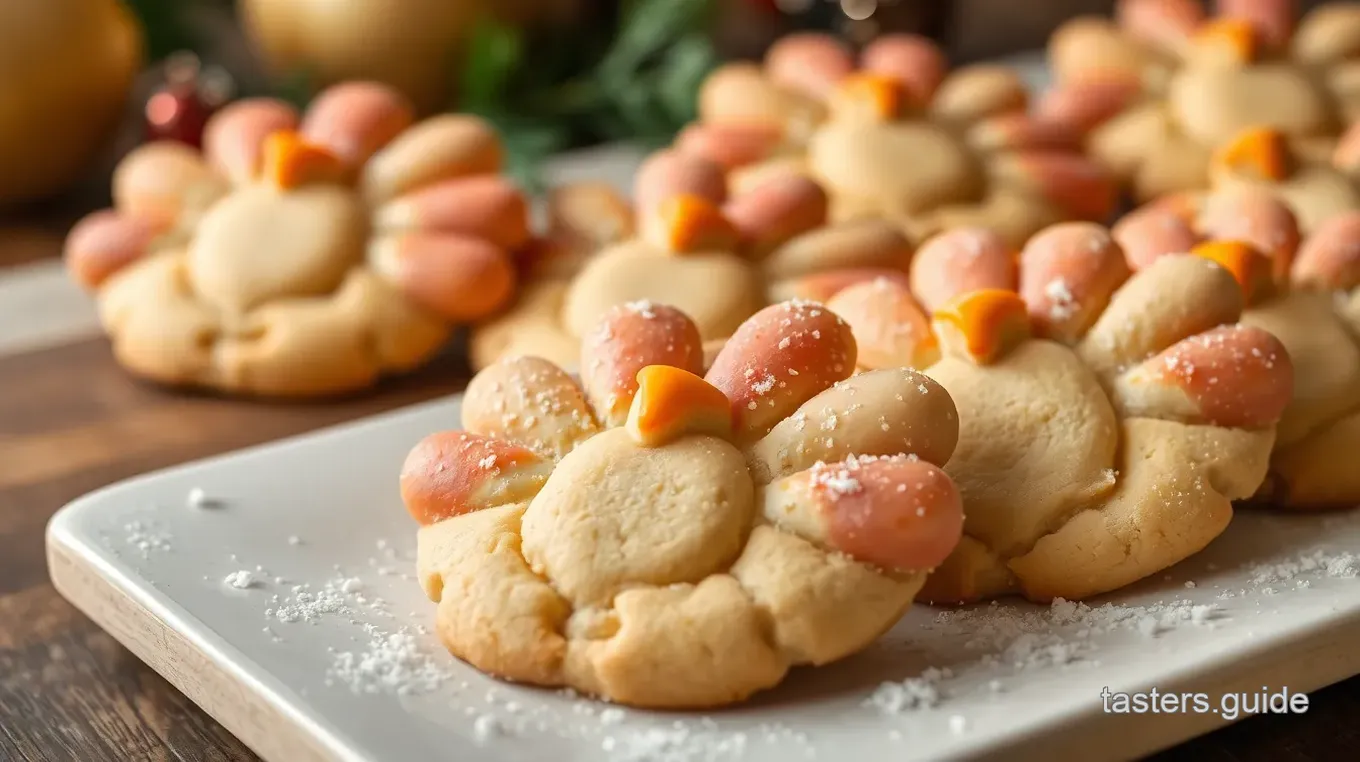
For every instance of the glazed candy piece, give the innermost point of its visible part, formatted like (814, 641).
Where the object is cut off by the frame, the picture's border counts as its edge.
(454, 473)
(302, 255)
(1163, 23)
(631, 337)
(767, 380)
(912, 60)
(1069, 273)
(1164, 89)
(961, 260)
(889, 325)
(106, 242)
(663, 564)
(356, 119)
(1089, 389)
(234, 139)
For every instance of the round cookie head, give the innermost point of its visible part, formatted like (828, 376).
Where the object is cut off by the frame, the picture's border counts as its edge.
(302, 254)
(1096, 400)
(1159, 90)
(895, 136)
(675, 538)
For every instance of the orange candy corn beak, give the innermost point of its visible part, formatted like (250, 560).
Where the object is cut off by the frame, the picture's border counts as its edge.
(1261, 153)
(1229, 40)
(693, 223)
(291, 162)
(671, 402)
(878, 97)
(982, 324)
(1250, 267)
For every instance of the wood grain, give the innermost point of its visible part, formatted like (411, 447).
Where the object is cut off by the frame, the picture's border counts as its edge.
(70, 422)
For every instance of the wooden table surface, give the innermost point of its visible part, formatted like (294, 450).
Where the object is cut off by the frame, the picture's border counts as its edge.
(71, 422)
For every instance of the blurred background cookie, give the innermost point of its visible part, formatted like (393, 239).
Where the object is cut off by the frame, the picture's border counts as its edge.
(1300, 288)
(718, 256)
(301, 255)
(1107, 420)
(1164, 84)
(892, 133)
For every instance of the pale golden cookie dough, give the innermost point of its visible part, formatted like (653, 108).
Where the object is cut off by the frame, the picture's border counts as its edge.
(1160, 96)
(1075, 485)
(719, 283)
(688, 573)
(302, 255)
(1301, 288)
(1107, 422)
(892, 139)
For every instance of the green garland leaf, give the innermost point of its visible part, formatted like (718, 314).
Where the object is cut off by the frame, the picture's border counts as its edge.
(545, 94)
(495, 52)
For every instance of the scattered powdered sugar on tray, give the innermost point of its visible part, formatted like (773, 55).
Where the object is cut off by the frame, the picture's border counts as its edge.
(683, 742)
(241, 580)
(391, 659)
(1299, 572)
(393, 662)
(1314, 564)
(912, 693)
(303, 604)
(624, 735)
(198, 498)
(1012, 638)
(147, 538)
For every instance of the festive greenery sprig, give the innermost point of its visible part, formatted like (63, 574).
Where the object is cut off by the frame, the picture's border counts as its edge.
(635, 81)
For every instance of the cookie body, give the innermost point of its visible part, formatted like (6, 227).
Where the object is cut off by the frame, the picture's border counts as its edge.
(1163, 86)
(302, 255)
(901, 138)
(679, 541)
(1300, 287)
(1107, 419)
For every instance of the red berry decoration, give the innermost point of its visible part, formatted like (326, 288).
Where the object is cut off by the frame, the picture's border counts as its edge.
(180, 108)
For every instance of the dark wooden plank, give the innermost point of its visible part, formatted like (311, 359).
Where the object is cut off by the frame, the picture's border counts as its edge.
(70, 422)
(68, 691)
(24, 244)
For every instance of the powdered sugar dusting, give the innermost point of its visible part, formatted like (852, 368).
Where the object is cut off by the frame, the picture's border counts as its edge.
(241, 580)
(643, 308)
(147, 538)
(1299, 571)
(1010, 639)
(910, 694)
(392, 662)
(1062, 303)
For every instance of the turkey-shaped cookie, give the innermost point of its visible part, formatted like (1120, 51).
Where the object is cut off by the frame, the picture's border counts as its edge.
(664, 539)
(1162, 86)
(716, 257)
(898, 139)
(1106, 421)
(1308, 295)
(302, 255)
(1316, 185)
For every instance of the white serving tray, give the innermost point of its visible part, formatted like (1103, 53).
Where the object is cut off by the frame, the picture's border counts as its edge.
(149, 567)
